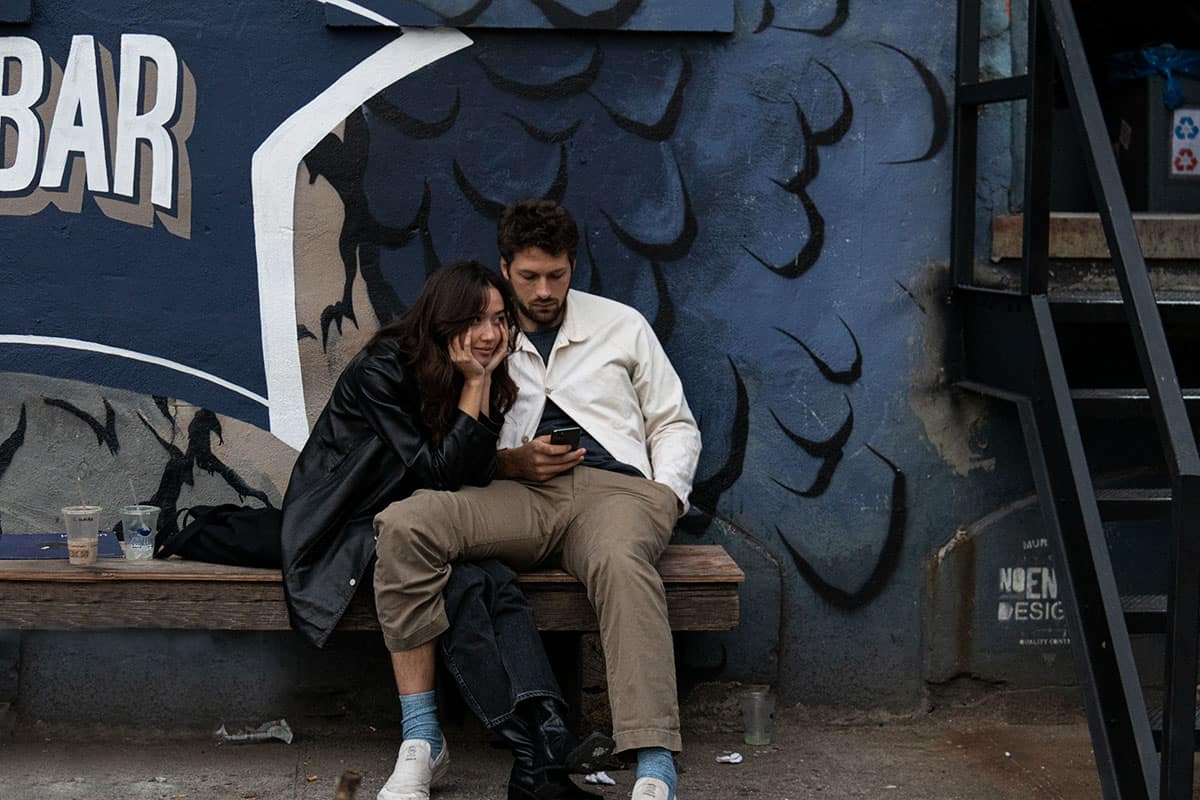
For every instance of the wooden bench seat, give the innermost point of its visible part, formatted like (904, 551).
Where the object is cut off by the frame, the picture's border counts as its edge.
(701, 582)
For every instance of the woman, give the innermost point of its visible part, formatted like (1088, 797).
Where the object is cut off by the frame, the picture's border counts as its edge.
(421, 407)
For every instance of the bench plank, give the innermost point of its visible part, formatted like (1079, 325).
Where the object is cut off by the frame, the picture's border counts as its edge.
(701, 584)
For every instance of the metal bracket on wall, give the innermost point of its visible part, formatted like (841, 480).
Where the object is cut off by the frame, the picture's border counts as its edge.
(694, 16)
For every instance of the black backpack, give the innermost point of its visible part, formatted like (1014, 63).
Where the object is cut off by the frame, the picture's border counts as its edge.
(242, 536)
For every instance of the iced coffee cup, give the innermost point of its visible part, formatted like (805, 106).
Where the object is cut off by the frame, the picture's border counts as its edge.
(83, 533)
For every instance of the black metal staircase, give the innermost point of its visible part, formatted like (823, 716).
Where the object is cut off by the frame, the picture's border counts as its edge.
(1011, 349)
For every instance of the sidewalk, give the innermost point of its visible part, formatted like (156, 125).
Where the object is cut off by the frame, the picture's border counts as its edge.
(965, 754)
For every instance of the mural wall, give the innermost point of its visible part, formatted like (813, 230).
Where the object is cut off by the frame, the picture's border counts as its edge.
(204, 214)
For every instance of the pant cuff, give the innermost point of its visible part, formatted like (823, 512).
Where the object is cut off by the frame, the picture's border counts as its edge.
(648, 737)
(398, 644)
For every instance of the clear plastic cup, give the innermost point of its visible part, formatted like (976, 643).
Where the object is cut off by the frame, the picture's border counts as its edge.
(758, 716)
(139, 524)
(83, 533)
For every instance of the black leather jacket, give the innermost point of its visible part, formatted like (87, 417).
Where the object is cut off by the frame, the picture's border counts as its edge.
(367, 449)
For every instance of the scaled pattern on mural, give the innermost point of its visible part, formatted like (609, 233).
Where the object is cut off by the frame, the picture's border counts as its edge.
(709, 177)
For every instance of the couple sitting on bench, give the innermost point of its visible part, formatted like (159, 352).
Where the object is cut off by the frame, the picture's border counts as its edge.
(433, 460)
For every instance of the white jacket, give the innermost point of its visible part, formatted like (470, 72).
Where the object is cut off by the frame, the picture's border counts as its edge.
(608, 371)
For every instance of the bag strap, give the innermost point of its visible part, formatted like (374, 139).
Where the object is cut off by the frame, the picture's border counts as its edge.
(175, 543)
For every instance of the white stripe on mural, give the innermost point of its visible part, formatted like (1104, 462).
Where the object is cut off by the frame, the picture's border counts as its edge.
(273, 182)
(132, 355)
(355, 8)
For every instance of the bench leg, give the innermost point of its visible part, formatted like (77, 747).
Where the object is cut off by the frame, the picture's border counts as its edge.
(10, 677)
(594, 709)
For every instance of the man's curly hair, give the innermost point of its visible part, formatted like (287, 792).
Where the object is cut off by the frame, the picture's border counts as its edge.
(537, 223)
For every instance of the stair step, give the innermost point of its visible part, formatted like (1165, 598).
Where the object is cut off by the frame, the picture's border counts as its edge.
(1156, 726)
(1134, 504)
(1145, 613)
(1173, 307)
(1123, 402)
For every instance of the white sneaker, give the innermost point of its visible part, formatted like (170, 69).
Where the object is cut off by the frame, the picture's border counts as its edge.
(650, 789)
(415, 771)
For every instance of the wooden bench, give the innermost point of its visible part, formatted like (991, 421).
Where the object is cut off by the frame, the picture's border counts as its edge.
(701, 581)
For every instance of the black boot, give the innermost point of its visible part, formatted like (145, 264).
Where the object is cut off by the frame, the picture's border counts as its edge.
(559, 745)
(532, 777)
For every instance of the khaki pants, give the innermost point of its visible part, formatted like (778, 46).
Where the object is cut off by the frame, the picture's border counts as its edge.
(609, 530)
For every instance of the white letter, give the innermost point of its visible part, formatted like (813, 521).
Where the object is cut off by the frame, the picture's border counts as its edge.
(1033, 589)
(80, 93)
(19, 108)
(1018, 580)
(1006, 579)
(151, 126)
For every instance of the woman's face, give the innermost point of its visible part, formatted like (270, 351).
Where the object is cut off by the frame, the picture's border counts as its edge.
(487, 331)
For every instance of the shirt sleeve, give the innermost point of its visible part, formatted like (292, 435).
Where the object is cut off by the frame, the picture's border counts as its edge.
(672, 436)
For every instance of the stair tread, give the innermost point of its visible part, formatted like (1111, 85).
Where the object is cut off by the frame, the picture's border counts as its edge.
(1144, 603)
(1154, 493)
(1124, 394)
(1156, 718)
(1171, 298)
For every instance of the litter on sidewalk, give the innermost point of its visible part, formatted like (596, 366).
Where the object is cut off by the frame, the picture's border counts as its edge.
(275, 729)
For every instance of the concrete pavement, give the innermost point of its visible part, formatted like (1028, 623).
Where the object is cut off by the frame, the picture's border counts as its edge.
(992, 748)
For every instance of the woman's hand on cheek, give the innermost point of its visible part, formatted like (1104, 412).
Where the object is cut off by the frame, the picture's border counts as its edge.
(501, 352)
(463, 359)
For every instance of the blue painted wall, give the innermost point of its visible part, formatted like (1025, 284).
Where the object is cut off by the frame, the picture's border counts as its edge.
(774, 200)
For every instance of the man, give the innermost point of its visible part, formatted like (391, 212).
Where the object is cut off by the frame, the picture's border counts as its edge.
(606, 509)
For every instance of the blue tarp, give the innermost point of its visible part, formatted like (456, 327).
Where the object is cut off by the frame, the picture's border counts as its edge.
(1167, 61)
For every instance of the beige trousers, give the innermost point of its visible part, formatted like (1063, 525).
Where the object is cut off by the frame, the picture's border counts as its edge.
(609, 530)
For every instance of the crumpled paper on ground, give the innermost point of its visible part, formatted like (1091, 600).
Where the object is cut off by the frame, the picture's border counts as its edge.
(275, 729)
(599, 778)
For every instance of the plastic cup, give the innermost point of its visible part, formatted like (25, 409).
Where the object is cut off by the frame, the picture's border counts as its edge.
(83, 533)
(758, 716)
(140, 524)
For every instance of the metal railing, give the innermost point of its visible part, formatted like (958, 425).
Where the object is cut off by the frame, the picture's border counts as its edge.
(1056, 56)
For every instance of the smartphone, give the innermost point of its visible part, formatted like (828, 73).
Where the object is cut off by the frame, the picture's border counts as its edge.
(566, 436)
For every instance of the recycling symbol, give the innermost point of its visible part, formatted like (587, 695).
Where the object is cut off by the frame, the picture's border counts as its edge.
(1186, 161)
(1187, 128)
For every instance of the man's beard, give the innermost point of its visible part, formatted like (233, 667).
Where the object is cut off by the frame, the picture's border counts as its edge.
(542, 314)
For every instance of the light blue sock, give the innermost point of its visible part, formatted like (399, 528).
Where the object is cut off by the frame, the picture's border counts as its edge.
(420, 719)
(656, 762)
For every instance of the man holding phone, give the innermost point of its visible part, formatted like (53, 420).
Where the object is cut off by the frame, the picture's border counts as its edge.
(599, 452)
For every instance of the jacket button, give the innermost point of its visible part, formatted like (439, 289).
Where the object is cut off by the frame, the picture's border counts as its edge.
(524, 440)
(353, 582)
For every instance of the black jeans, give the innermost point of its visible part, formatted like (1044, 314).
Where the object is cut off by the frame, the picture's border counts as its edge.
(493, 648)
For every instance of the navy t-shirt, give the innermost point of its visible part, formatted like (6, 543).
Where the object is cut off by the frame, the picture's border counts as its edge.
(554, 417)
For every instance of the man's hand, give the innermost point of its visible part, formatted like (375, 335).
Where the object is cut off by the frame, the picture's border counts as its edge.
(538, 460)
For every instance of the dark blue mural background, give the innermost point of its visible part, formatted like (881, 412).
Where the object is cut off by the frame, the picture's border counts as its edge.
(769, 199)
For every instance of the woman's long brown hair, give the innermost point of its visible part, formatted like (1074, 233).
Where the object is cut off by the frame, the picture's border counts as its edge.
(450, 302)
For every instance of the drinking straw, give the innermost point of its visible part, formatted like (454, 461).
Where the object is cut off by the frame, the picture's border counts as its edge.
(141, 520)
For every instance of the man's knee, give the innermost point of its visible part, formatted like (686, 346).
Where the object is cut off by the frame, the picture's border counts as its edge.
(619, 563)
